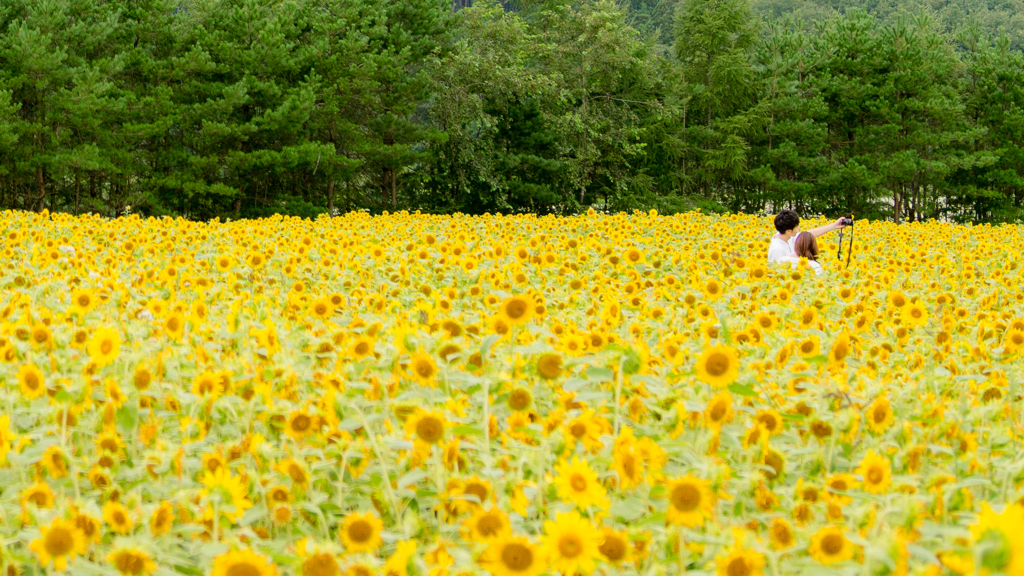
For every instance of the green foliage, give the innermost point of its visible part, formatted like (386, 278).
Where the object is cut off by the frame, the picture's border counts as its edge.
(239, 108)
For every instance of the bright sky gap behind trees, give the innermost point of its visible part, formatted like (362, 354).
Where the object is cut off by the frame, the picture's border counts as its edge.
(245, 108)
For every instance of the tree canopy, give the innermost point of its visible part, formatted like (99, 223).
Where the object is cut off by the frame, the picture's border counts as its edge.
(238, 108)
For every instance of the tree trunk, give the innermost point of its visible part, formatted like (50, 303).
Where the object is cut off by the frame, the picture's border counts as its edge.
(41, 183)
(394, 190)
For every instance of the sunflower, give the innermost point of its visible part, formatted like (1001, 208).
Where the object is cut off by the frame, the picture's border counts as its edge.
(829, 546)
(487, 525)
(59, 543)
(916, 314)
(131, 562)
(719, 411)
(718, 366)
(104, 346)
(571, 544)
(838, 485)
(117, 517)
(781, 534)
(361, 533)
(320, 564)
(1000, 539)
(206, 384)
(771, 420)
(517, 310)
(690, 501)
(300, 425)
(879, 415)
(810, 347)
(740, 562)
(255, 260)
(162, 519)
(294, 470)
(174, 326)
(520, 399)
(874, 469)
(474, 486)
(361, 347)
(239, 562)
(840, 349)
(230, 491)
(31, 381)
(82, 301)
(615, 547)
(55, 462)
(426, 427)
(423, 368)
(549, 366)
(629, 465)
(577, 483)
(321, 308)
(38, 495)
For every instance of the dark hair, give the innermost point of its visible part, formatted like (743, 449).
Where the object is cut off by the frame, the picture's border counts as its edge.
(806, 246)
(786, 220)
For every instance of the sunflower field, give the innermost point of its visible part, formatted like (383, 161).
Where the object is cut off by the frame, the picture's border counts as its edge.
(415, 395)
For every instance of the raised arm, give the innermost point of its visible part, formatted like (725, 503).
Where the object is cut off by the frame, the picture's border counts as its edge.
(827, 228)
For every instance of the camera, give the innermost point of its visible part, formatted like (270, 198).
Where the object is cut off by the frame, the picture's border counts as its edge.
(847, 221)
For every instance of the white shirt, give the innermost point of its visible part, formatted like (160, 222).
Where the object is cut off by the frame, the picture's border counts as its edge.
(780, 248)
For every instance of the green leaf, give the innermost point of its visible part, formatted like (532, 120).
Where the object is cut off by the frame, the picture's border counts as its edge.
(742, 390)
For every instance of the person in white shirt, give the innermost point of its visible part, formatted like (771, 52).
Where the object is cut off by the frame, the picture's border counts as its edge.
(787, 223)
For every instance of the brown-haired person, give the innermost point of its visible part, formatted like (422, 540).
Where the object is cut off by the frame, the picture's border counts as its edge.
(806, 246)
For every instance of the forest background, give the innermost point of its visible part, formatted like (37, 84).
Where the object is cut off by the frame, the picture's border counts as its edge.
(899, 109)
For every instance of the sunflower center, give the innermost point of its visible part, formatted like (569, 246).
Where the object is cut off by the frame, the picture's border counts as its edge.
(875, 475)
(782, 534)
(360, 531)
(32, 381)
(840, 351)
(613, 548)
(718, 410)
(517, 557)
(738, 567)
(519, 399)
(106, 346)
(119, 517)
(243, 569)
(807, 347)
(429, 429)
(362, 348)
(628, 465)
(685, 497)
(717, 364)
(570, 546)
(320, 565)
(839, 485)
(301, 423)
(515, 309)
(478, 490)
(578, 482)
(59, 541)
(879, 414)
(424, 369)
(489, 525)
(129, 563)
(832, 544)
(578, 429)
